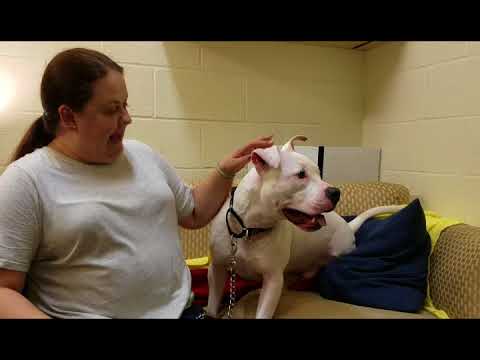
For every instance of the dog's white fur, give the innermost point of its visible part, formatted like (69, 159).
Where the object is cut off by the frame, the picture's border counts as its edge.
(270, 186)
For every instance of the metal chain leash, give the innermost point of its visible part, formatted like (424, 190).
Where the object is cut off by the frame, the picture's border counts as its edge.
(233, 275)
(201, 316)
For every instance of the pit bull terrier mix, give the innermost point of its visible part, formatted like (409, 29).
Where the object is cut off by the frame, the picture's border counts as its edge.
(282, 185)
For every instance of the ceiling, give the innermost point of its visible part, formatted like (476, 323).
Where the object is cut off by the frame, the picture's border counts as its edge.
(356, 45)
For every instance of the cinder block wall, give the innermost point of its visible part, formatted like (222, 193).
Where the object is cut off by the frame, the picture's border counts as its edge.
(197, 101)
(423, 110)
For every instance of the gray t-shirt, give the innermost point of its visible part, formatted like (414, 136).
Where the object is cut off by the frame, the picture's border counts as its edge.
(97, 240)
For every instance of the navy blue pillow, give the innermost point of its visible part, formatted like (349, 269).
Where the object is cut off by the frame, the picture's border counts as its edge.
(389, 267)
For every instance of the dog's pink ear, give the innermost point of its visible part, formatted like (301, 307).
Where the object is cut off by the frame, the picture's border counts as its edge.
(265, 159)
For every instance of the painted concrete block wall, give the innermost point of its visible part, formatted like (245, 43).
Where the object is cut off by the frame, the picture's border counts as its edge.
(197, 101)
(422, 108)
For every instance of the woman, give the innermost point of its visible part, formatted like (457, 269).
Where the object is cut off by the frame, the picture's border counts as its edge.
(88, 220)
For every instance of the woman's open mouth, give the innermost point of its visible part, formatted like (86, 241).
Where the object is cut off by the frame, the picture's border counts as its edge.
(115, 138)
(304, 221)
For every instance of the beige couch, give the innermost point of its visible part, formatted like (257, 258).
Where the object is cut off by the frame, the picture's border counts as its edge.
(454, 272)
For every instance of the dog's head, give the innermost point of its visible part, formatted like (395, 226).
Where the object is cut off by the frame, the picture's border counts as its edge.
(291, 183)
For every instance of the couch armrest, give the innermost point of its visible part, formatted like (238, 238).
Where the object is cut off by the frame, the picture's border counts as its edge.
(358, 197)
(454, 276)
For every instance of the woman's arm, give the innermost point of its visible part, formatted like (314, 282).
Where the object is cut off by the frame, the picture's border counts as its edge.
(210, 195)
(19, 238)
(12, 303)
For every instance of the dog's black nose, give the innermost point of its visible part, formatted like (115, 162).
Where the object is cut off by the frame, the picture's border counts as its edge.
(333, 194)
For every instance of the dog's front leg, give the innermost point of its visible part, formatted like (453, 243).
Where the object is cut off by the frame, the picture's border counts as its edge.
(342, 242)
(270, 295)
(217, 275)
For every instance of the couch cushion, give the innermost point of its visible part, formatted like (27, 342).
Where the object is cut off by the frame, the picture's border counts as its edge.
(389, 267)
(308, 305)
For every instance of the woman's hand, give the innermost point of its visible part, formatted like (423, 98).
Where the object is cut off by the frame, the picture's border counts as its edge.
(235, 162)
(210, 195)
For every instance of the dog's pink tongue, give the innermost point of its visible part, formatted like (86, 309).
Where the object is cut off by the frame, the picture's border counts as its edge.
(315, 222)
(304, 221)
(321, 220)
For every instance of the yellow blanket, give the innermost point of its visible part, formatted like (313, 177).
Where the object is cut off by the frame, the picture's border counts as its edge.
(198, 263)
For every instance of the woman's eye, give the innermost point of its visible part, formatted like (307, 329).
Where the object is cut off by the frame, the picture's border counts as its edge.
(117, 109)
(301, 174)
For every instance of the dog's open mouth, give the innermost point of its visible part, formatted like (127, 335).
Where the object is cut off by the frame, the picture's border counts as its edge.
(304, 221)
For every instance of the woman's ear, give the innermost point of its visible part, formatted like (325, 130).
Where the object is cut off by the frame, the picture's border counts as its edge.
(67, 117)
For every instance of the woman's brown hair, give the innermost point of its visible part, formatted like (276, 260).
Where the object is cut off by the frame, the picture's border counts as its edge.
(68, 80)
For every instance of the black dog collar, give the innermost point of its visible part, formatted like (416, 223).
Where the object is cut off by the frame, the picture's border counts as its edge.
(246, 232)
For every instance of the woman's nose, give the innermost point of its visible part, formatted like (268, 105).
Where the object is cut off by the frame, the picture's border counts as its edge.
(126, 119)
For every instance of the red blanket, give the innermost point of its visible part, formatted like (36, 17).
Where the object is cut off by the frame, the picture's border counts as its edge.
(200, 286)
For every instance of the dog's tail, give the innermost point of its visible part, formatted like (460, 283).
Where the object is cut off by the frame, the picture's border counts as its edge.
(360, 219)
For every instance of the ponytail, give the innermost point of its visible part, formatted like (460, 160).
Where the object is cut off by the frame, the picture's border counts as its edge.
(35, 137)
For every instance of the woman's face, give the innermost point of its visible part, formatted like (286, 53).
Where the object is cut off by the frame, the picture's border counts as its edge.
(101, 124)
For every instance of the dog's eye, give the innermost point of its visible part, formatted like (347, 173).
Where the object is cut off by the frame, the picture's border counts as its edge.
(302, 174)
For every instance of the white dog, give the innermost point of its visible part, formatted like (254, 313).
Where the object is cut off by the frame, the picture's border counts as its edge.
(282, 185)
